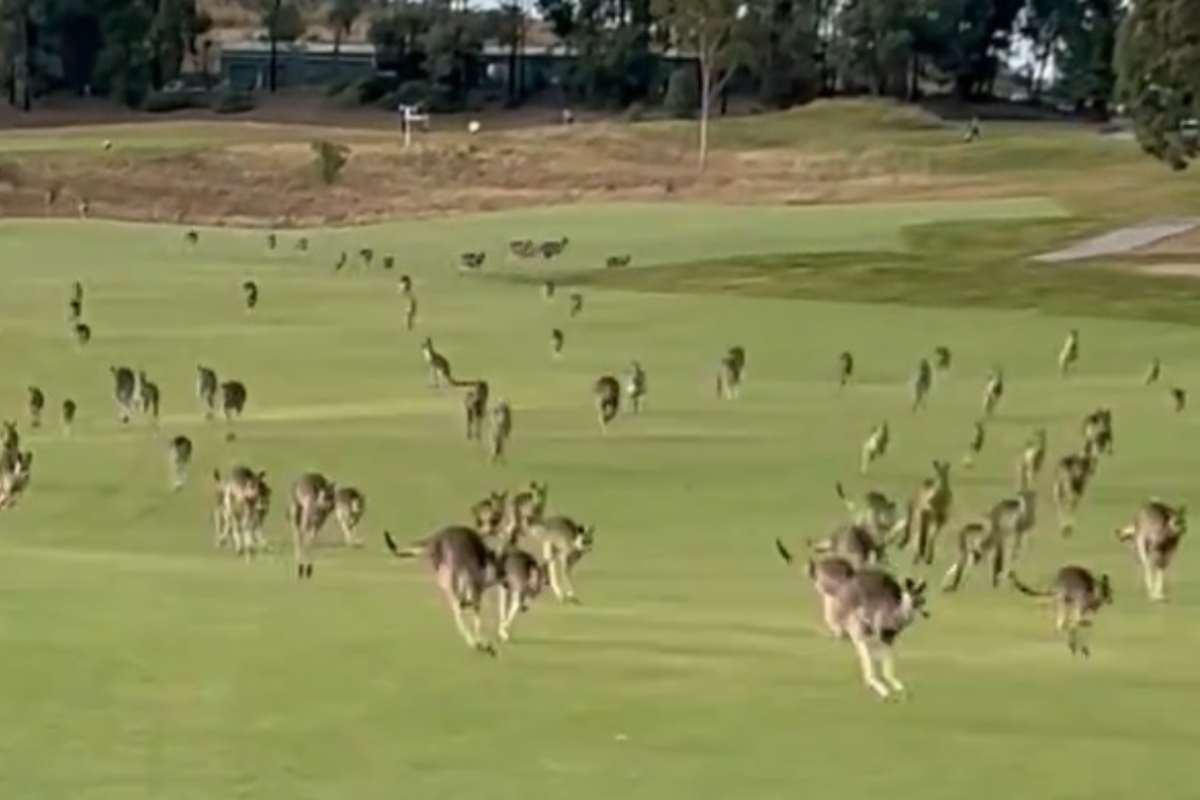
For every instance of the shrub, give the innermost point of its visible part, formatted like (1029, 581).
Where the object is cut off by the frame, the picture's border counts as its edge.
(683, 93)
(164, 101)
(329, 159)
(233, 102)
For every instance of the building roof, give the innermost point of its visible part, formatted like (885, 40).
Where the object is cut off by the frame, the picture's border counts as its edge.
(315, 48)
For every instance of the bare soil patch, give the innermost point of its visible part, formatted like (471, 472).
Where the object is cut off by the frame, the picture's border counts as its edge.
(1121, 241)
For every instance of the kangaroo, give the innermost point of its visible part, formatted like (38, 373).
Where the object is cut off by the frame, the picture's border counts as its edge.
(1155, 535)
(845, 368)
(615, 262)
(471, 261)
(563, 544)
(828, 576)
(439, 366)
(349, 506)
(875, 446)
(548, 288)
(233, 399)
(1071, 479)
(149, 396)
(576, 304)
(77, 292)
(1078, 596)
(854, 543)
(192, 238)
(341, 262)
(873, 608)
(877, 514)
(16, 471)
(522, 248)
(1068, 357)
(1098, 432)
(405, 284)
(206, 389)
(11, 442)
(551, 249)
(557, 339)
(521, 580)
(941, 358)
(635, 386)
(410, 311)
(464, 568)
(730, 372)
(302, 244)
(475, 408)
(1179, 399)
(922, 382)
(1002, 533)
(179, 456)
(975, 445)
(272, 241)
(243, 500)
(74, 310)
(313, 498)
(930, 512)
(68, 415)
(37, 403)
(367, 255)
(250, 288)
(1152, 372)
(524, 509)
(1029, 466)
(993, 390)
(83, 334)
(607, 394)
(500, 430)
(489, 513)
(124, 391)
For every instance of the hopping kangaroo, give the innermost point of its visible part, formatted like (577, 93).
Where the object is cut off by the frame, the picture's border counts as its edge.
(930, 511)
(1071, 479)
(845, 367)
(1098, 433)
(1155, 534)
(607, 395)
(872, 608)
(854, 543)
(69, 409)
(730, 372)
(243, 500)
(501, 430)
(1078, 596)
(1001, 534)
(464, 568)
(148, 396)
(37, 404)
(828, 576)
(349, 506)
(875, 447)
(1029, 467)
(1069, 355)
(974, 445)
(475, 403)
(489, 513)
(179, 456)
(878, 514)
(313, 497)
(524, 509)
(635, 386)
(521, 580)
(206, 389)
(439, 366)
(993, 390)
(124, 391)
(233, 399)
(563, 543)
(922, 381)
(1153, 372)
(16, 470)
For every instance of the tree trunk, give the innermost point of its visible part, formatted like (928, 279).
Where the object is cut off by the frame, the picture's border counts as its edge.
(705, 105)
(272, 65)
(337, 52)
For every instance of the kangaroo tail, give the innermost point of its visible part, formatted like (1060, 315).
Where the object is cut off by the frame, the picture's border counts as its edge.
(1025, 589)
(412, 551)
(783, 551)
(461, 384)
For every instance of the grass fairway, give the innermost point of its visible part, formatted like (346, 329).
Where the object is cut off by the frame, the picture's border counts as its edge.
(138, 662)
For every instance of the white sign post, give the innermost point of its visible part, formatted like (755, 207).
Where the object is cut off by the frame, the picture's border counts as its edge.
(410, 115)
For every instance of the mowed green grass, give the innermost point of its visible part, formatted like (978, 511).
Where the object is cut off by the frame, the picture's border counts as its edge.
(139, 662)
